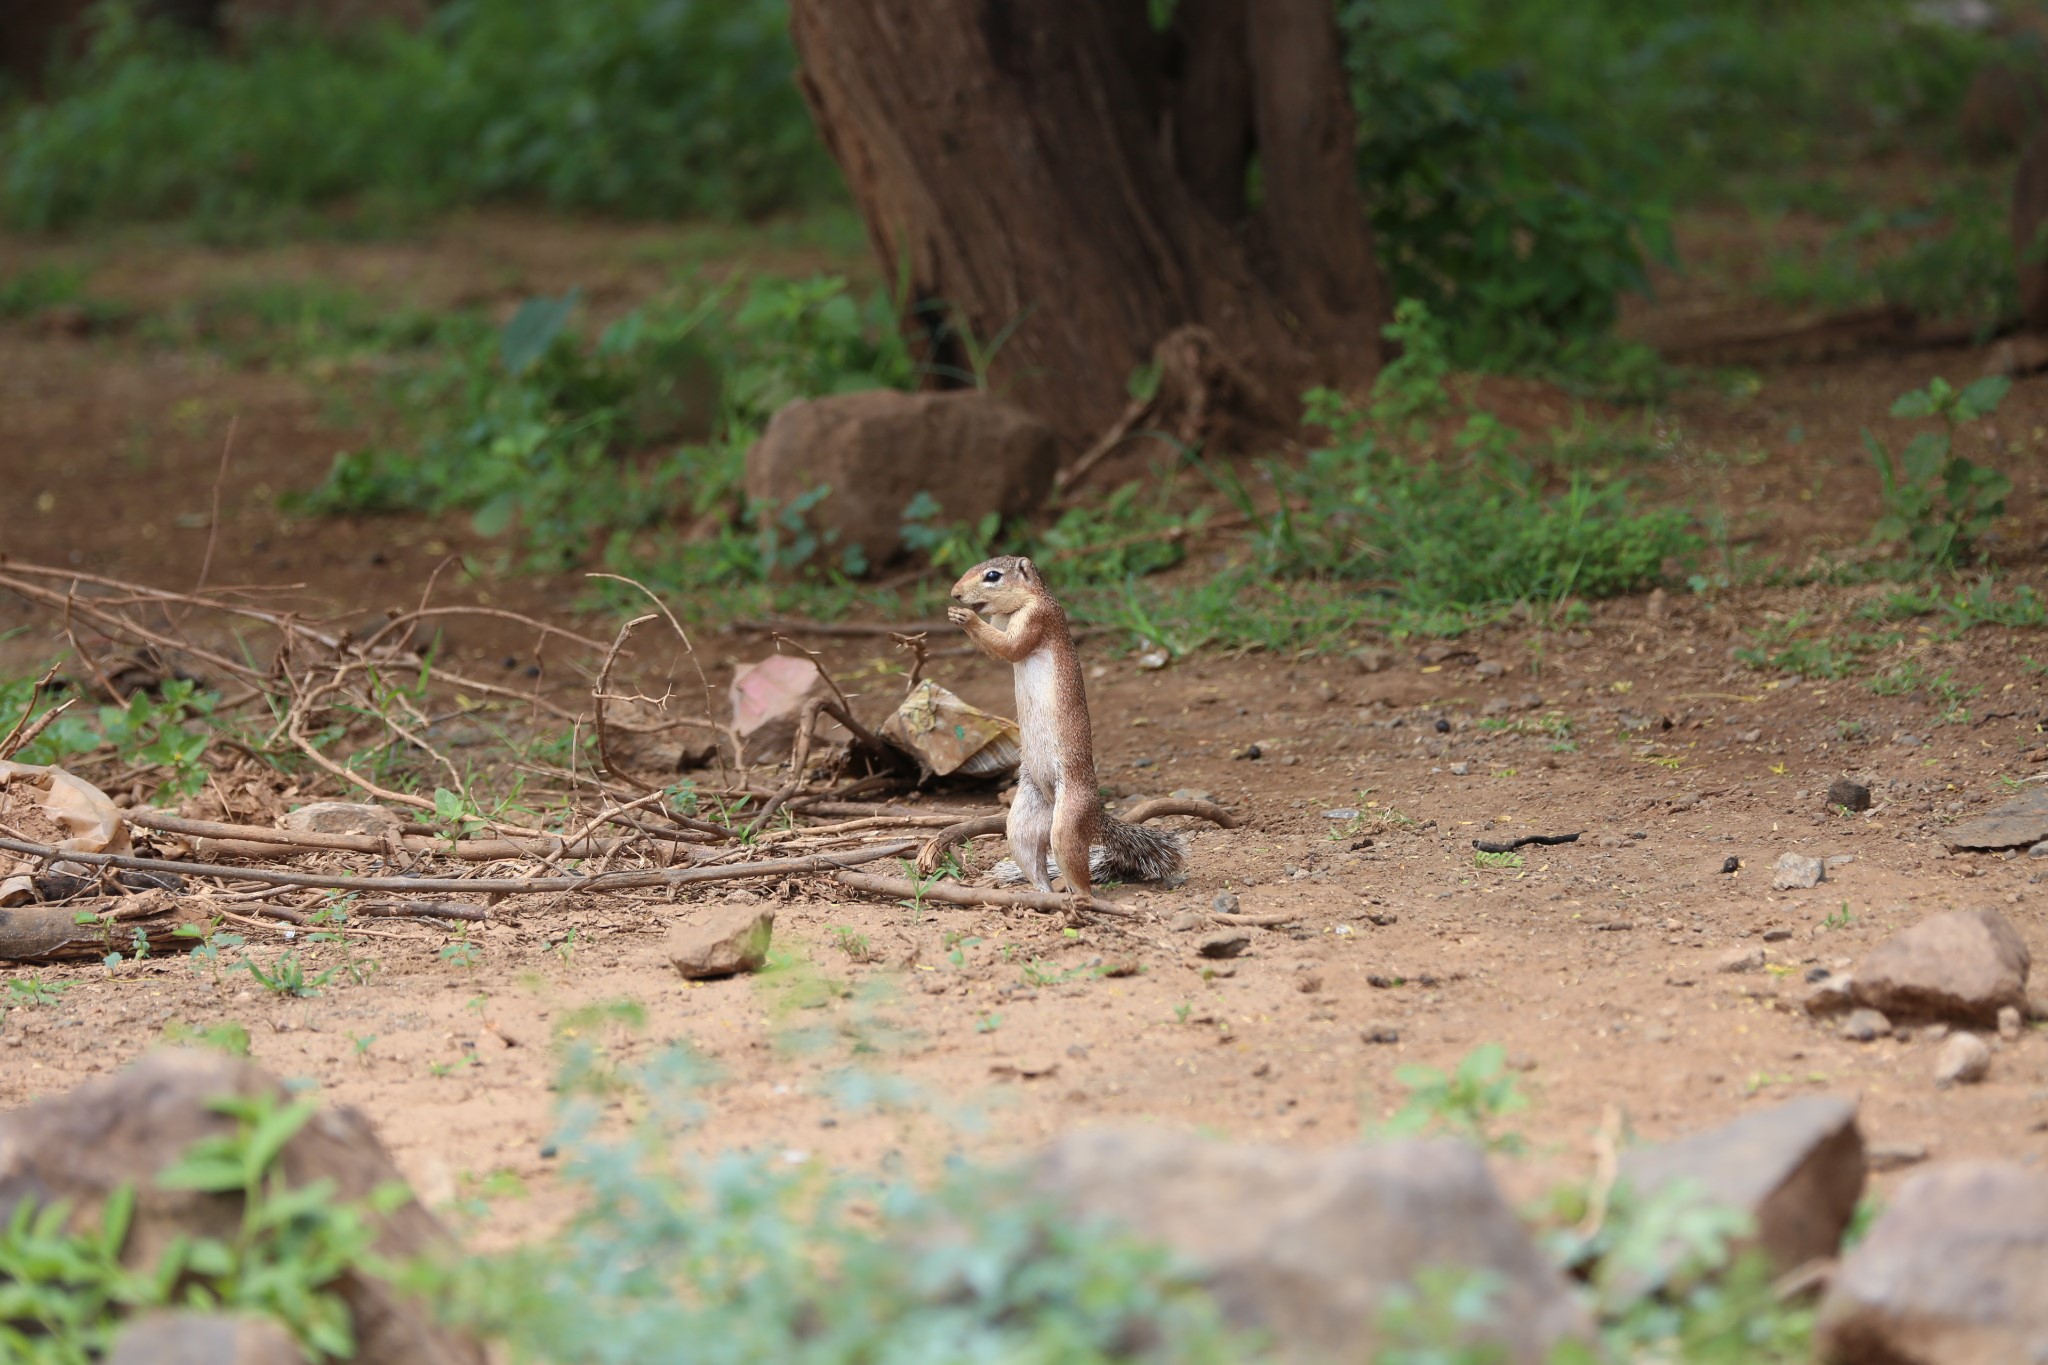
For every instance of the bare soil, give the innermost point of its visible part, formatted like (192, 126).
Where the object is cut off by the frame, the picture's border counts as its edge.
(1594, 963)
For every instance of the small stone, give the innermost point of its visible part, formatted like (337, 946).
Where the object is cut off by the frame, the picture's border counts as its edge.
(1226, 903)
(2039, 850)
(1933, 1033)
(1187, 920)
(343, 817)
(1460, 769)
(1845, 793)
(1965, 1060)
(1325, 692)
(1380, 1033)
(1248, 751)
(1491, 668)
(1797, 872)
(1750, 736)
(1740, 960)
(1894, 1156)
(2009, 1023)
(1310, 984)
(1370, 660)
(1835, 860)
(1776, 935)
(1865, 1026)
(1906, 741)
(1224, 943)
(725, 941)
(1341, 813)
(1832, 995)
(1443, 727)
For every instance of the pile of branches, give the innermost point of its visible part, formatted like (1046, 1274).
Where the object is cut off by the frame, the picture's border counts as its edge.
(334, 707)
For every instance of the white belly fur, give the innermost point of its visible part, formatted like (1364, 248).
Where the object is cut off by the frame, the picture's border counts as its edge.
(1036, 688)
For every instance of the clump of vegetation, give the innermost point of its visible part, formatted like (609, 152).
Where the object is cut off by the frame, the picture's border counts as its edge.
(167, 730)
(1938, 504)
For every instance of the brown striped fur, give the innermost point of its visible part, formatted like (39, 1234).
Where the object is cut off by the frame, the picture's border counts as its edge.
(1057, 813)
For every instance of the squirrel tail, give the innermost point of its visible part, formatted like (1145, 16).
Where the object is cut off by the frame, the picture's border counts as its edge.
(1121, 853)
(1138, 854)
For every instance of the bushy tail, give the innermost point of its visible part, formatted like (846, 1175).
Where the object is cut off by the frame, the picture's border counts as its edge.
(1125, 853)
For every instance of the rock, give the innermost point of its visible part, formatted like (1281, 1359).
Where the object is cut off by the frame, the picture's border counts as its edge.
(1796, 872)
(1852, 795)
(343, 817)
(1371, 660)
(1895, 1156)
(1740, 960)
(2039, 850)
(1749, 736)
(1226, 903)
(1186, 921)
(768, 699)
(1379, 1033)
(1963, 966)
(1864, 1026)
(2010, 1023)
(1950, 1274)
(1796, 1168)
(80, 1146)
(1831, 995)
(1731, 863)
(877, 450)
(1309, 1245)
(2016, 824)
(1460, 769)
(1490, 668)
(1224, 943)
(192, 1338)
(1965, 1059)
(1778, 935)
(724, 941)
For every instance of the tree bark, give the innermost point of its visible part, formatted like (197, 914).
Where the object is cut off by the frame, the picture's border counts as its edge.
(1064, 189)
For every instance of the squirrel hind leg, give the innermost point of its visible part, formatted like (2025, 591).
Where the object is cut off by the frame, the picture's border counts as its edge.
(1030, 831)
(1070, 845)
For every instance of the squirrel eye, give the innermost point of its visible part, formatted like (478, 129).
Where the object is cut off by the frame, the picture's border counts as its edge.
(992, 576)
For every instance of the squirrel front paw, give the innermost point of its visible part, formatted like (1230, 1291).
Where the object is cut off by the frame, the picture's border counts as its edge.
(960, 616)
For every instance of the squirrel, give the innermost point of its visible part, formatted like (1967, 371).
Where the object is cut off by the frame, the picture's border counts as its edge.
(1057, 826)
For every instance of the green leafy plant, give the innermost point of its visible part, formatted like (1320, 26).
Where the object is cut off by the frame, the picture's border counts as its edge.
(287, 976)
(1937, 503)
(32, 990)
(1469, 1101)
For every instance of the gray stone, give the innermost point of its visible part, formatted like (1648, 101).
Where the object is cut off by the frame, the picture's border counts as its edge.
(877, 450)
(1853, 795)
(1225, 903)
(1379, 1033)
(2039, 850)
(343, 817)
(1309, 1245)
(1224, 943)
(1863, 1026)
(1461, 769)
(1186, 921)
(1965, 1059)
(1963, 966)
(1895, 1156)
(81, 1146)
(1796, 872)
(1796, 1168)
(1831, 995)
(2018, 823)
(1740, 960)
(1370, 660)
(204, 1339)
(2010, 1023)
(724, 940)
(1951, 1273)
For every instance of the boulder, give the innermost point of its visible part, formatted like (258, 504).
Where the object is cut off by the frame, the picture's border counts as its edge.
(204, 1339)
(344, 817)
(1311, 1246)
(768, 699)
(877, 450)
(2018, 823)
(1795, 1168)
(724, 940)
(83, 1145)
(1963, 966)
(1951, 1273)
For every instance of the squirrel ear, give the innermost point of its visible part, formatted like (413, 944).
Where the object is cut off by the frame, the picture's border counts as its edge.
(1028, 569)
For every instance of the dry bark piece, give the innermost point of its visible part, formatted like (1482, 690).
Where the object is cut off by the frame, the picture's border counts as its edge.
(79, 933)
(81, 1145)
(947, 735)
(60, 809)
(725, 940)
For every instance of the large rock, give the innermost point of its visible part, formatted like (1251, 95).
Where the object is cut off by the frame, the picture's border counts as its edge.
(1795, 1168)
(768, 699)
(1963, 966)
(82, 1145)
(724, 940)
(2018, 823)
(1308, 1246)
(877, 450)
(344, 817)
(204, 1339)
(1955, 1272)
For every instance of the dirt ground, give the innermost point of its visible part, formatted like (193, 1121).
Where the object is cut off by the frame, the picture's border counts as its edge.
(1594, 963)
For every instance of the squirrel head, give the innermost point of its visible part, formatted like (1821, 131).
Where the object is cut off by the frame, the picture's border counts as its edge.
(1000, 586)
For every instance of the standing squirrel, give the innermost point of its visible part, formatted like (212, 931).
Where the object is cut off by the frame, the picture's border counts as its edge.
(1057, 825)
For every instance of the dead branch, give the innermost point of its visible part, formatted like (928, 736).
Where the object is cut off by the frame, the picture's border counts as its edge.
(1159, 807)
(942, 843)
(475, 914)
(952, 893)
(268, 841)
(24, 732)
(482, 886)
(601, 691)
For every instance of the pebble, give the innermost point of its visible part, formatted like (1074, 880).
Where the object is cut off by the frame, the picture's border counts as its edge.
(1341, 813)
(1892, 1156)
(1185, 921)
(1192, 794)
(1797, 872)
(1830, 996)
(1443, 727)
(1935, 1032)
(1380, 1033)
(1750, 736)
(1843, 792)
(1740, 960)
(1224, 943)
(1310, 984)
(2009, 1023)
(1965, 1059)
(2039, 850)
(1460, 769)
(1369, 660)
(1226, 903)
(1864, 1026)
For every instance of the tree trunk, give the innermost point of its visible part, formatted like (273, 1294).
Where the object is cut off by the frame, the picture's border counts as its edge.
(1065, 189)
